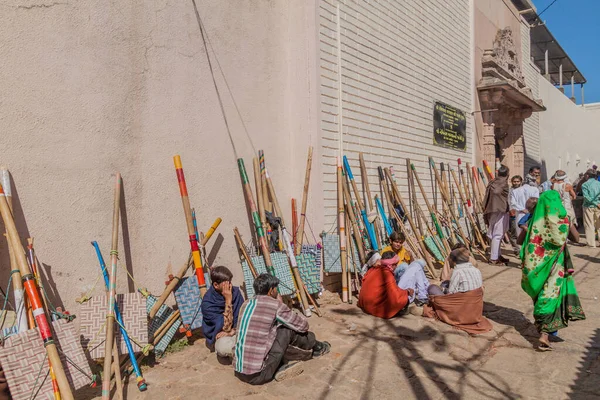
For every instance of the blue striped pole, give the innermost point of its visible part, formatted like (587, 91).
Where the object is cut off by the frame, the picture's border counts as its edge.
(386, 221)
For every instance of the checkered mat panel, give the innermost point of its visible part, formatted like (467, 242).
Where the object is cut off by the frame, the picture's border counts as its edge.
(331, 254)
(92, 315)
(23, 359)
(282, 271)
(187, 295)
(309, 272)
(164, 312)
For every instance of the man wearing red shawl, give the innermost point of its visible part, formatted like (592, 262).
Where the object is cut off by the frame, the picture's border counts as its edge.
(380, 295)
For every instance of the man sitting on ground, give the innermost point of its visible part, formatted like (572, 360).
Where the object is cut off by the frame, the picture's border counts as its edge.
(414, 278)
(462, 307)
(380, 295)
(397, 240)
(220, 307)
(269, 335)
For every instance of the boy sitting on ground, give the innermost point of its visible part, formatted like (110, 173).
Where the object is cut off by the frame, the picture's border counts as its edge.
(270, 335)
(397, 240)
(220, 308)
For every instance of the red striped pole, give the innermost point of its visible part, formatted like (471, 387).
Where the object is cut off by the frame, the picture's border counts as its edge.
(185, 200)
(35, 299)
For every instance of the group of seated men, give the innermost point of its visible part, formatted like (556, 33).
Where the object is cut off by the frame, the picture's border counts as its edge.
(263, 337)
(393, 281)
(266, 340)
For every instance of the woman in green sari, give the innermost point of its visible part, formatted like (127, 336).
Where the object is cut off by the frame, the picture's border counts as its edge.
(546, 262)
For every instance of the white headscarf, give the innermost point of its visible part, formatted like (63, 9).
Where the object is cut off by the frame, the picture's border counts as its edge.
(370, 262)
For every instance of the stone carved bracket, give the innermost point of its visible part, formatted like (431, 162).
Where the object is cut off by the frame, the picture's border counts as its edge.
(502, 60)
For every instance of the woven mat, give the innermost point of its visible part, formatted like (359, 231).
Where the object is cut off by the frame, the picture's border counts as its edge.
(187, 296)
(24, 361)
(93, 318)
(282, 271)
(164, 312)
(331, 254)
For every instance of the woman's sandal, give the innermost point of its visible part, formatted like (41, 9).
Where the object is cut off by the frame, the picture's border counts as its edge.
(544, 347)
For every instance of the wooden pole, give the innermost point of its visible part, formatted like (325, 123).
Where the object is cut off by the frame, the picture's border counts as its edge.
(112, 292)
(116, 365)
(349, 255)
(411, 222)
(182, 271)
(300, 233)
(368, 226)
(488, 170)
(412, 193)
(260, 196)
(342, 230)
(35, 298)
(446, 200)
(288, 248)
(140, 381)
(33, 263)
(17, 284)
(187, 210)
(242, 247)
(367, 190)
(355, 228)
(463, 200)
(263, 179)
(262, 241)
(294, 224)
(434, 219)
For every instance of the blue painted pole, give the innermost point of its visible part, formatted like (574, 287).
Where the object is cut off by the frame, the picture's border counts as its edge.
(141, 382)
(386, 221)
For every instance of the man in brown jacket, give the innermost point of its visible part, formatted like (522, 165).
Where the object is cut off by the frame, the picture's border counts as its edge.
(495, 212)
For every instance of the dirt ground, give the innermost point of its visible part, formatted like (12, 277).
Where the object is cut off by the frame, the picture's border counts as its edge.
(415, 357)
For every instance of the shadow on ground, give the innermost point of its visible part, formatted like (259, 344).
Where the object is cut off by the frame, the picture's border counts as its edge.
(403, 343)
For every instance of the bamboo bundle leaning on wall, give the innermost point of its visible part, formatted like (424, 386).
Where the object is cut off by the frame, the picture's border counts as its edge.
(342, 230)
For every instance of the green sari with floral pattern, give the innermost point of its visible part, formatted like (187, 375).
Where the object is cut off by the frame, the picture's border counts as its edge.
(546, 260)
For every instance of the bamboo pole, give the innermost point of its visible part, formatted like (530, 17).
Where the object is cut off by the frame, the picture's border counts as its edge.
(416, 251)
(187, 210)
(164, 328)
(446, 200)
(300, 233)
(350, 257)
(476, 188)
(368, 226)
(353, 222)
(240, 243)
(288, 248)
(33, 263)
(411, 222)
(412, 193)
(367, 191)
(182, 271)
(263, 180)
(262, 241)
(434, 219)
(294, 224)
(116, 366)
(463, 200)
(17, 283)
(488, 170)
(342, 230)
(34, 296)
(112, 292)
(260, 196)
(141, 383)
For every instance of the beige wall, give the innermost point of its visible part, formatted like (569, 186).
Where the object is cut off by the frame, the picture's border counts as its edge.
(490, 16)
(397, 59)
(89, 88)
(567, 131)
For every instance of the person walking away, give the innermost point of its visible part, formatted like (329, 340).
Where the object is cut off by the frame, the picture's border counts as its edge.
(495, 206)
(591, 207)
(567, 194)
(546, 260)
(271, 337)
